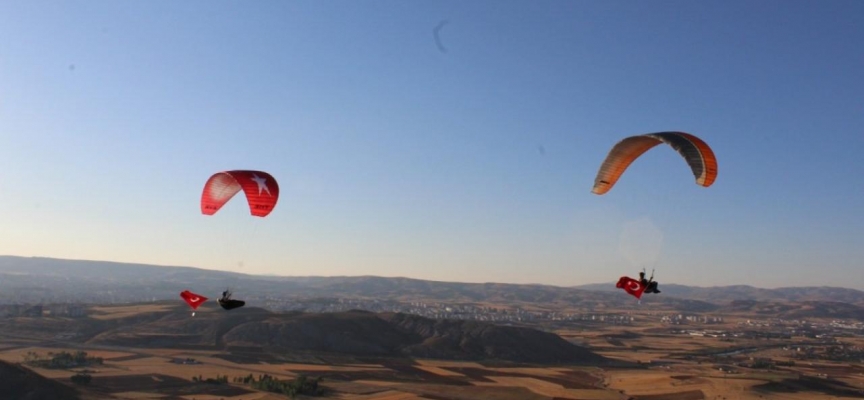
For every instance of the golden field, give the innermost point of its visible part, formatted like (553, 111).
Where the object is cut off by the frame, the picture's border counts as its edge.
(655, 366)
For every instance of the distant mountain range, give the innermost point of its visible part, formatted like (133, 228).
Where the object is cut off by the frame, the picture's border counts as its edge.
(32, 280)
(727, 294)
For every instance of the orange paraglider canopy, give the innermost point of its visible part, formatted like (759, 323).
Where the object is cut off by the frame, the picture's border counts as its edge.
(698, 155)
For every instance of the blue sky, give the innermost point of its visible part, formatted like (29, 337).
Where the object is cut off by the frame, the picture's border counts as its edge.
(477, 164)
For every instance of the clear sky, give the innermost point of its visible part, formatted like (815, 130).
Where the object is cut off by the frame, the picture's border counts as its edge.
(471, 164)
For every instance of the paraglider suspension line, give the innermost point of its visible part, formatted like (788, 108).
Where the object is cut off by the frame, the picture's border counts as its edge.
(246, 243)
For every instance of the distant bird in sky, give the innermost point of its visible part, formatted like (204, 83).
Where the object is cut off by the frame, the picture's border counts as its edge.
(436, 33)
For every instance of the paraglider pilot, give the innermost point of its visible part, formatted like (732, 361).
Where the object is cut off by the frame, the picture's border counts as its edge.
(650, 284)
(228, 303)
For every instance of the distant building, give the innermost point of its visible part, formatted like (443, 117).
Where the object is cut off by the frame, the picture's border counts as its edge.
(19, 310)
(33, 311)
(727, 369)
(10, 310)
(67, 310)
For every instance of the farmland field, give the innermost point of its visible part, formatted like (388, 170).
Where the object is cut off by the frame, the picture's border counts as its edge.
(653, 364)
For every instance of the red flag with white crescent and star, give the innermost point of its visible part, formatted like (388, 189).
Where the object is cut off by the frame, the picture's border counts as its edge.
(194, 300)
(261, 189)
(631, 286)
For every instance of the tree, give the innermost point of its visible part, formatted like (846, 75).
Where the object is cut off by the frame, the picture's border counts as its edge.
(81, 378)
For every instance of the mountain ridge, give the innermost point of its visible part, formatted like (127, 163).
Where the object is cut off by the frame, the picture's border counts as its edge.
(52, 279)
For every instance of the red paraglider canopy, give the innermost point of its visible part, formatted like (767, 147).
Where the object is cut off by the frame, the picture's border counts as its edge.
(631, 286)
(194, 300)
(261, 189)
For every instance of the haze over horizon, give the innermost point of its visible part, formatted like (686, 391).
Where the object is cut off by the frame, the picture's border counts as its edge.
(473, 164)
(609, 283)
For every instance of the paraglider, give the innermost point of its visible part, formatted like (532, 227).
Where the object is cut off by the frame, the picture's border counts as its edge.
(698, 155)
(228, 303)
(637, 287)
(262, 194)
(194, 300)
(261, 189)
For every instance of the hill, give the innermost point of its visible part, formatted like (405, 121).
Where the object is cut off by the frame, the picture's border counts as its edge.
(797, 310)
(17, 382)
(355, 333)
(727, 294)
(46, 280)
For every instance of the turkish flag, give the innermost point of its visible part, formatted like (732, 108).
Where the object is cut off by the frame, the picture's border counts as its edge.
(632, 286)
(193, 299)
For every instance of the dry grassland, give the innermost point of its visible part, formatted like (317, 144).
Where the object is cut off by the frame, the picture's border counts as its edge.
(449, 364)
(385, 395)
(151, 374)
(146, 374)
(137, 395)
(114, 312)
(549, 389)
(438, 371)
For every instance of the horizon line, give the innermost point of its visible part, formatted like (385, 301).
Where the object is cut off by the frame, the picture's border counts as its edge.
(580, 286)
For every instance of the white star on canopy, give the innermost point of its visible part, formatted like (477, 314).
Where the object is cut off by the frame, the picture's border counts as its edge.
(262, 185)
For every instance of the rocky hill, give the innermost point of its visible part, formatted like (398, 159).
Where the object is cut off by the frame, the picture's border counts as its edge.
(354, 333)
(452, 338)
(17, 382)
